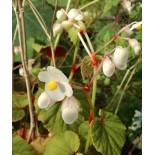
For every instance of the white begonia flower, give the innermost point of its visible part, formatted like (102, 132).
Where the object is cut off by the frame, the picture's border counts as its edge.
(137, 26)
(70, 110)
(120, 57)
(61, 15)
(17, 50)
(67, 24)
(73, 13)
(135, 45)
(30, 63)
(56, 83)
(127, 5)
(57, 29)
(44, 101)
(108, 67)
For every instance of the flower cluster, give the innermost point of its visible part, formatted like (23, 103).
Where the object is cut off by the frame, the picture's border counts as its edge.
(56, 88)
(118, 60)
(66, 20)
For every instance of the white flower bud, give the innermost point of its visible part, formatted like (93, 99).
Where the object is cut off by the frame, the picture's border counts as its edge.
(69, 115)
(108, 67)
(73, 13)
(128, 31)
(67, 24)
(80, 16)
(127, 5)
(70, 102)
(21, 71)
(135, 45)
(61, 15)
(44, 101)
(57, 29)
(120, 57)
(17, 50)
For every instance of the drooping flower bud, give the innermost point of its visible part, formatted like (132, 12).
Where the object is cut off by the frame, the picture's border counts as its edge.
(61, 16)
(57, 29)
(17, 50)
(67, 24)
(44, 101)
(21, 71)
(69, 115)
(73, 13)
(108, 67)
(120, 57)
(80, 16)
(127, 5)
(135, 45)
(70, 110)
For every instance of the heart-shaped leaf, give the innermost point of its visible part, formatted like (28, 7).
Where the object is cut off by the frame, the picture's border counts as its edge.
(18, 103)
(52, 118)
(108, 133)
(66, 143)
(21, 147)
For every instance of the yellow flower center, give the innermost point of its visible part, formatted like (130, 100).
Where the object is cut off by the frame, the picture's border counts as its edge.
(139, 27)
(52, 85)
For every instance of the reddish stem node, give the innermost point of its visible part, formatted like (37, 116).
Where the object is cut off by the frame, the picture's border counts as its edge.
(115, 37)
(101, 121)
(91, 118)
(94, 59)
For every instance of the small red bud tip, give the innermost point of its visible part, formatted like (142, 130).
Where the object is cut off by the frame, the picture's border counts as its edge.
(90, 118)
(101, 121)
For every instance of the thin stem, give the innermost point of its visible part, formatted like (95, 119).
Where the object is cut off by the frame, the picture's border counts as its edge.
(26, 76)
(68, 5)
(125, 87)
(56, 41)
(84, 44)
(85, 6)
(94, 89)
(40, 21)
(53, 55)
(89, 42)
(87, 142)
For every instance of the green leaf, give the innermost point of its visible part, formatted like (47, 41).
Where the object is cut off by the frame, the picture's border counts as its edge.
(52, 118)
(66, 143)
(37, 47)
(87, 67)
(21, 147)
(108, 133)
(61, 3)
(18, 103)
(73, 35)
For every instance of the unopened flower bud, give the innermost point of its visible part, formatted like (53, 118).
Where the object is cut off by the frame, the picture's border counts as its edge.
(67, 24)
(17, 50)
(120, 57)
(57, 29)
(108, 67)
(61, 15)
(69, 115)
(127, 5)
(73, 13)
(70, 110)
(21, 71)
(80, 16)
(135, 45)
(44, 101)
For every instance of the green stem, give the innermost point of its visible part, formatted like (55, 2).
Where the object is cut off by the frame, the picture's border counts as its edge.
(88, 4)
(94, 88)
(68, 4)
(87, 142)
(56, 41)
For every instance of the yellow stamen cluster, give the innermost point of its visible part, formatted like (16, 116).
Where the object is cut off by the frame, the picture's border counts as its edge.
(52, 85)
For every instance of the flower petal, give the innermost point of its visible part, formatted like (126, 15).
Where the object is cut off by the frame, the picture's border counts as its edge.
(57, 74)
(44, 76)
(58, 94)
(43, 100)
(68, 89)
(52, 102)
